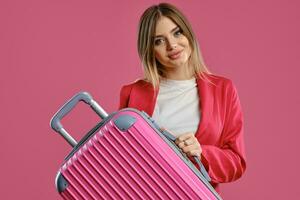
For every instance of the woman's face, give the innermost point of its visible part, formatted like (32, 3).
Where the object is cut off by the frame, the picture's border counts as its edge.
(171, 47)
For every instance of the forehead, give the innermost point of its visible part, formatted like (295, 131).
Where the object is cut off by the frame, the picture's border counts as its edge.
(164, 25)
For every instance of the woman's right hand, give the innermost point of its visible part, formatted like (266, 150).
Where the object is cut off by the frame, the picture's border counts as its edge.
(189, 144)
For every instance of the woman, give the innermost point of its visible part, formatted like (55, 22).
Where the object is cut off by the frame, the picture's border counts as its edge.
(202, 110)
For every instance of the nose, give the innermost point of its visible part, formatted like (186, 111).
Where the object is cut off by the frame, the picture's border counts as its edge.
(171, 44)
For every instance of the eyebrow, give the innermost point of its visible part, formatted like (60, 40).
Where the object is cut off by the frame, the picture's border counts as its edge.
(174, 29)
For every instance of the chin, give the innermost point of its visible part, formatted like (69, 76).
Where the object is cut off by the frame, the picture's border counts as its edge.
(180, 62)
(176, 65)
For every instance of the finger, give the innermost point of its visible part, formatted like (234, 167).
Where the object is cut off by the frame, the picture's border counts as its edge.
(187, 142)
(189, 148)
(181, 145)
(178, 141)
(194, 153)
(185, 136)
(193, 147)
(190, 141)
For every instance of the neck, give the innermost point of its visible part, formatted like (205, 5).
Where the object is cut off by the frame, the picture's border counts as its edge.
(179, 73)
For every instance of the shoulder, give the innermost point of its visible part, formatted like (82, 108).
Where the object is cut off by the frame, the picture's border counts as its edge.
(216, 81)
(133, 93)
(136, 83)
(218, 87)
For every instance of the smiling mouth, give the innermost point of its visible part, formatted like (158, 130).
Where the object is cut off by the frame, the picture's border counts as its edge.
(175, 55)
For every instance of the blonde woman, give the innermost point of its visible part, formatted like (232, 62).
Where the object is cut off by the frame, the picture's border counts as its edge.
(200, 109)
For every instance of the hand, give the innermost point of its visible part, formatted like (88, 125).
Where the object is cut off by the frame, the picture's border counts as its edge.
(189, 144)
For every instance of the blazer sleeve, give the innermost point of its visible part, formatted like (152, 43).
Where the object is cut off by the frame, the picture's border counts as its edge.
(226, 163)
(124, 96)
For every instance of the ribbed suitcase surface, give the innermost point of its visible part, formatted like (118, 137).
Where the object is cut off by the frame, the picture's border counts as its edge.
(136, 163)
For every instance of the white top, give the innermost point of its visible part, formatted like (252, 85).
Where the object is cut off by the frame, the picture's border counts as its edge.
(177, 106)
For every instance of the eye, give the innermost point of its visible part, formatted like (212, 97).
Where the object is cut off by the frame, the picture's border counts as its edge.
(178, 32)
(159, 41)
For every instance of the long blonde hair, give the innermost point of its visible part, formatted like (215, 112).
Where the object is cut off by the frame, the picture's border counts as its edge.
(146, 32)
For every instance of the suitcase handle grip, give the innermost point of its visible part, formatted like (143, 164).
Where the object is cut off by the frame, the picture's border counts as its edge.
(55, 122)
(196, 158)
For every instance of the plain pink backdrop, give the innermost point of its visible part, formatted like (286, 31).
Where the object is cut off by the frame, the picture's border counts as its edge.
(49, 50)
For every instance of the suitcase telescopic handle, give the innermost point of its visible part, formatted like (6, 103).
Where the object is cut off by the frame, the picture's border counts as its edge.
(55, 122)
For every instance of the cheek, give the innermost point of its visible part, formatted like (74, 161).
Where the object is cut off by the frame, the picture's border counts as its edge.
(188, 47)
(189, 51)
(158, 54)
(185, 42)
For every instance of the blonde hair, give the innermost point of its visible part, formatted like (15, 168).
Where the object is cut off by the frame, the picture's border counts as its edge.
(146, 31)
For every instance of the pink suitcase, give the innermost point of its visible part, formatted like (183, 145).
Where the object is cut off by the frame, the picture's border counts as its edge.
(127, 156)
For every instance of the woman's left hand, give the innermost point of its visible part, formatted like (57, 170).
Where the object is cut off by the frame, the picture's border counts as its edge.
(189, 144)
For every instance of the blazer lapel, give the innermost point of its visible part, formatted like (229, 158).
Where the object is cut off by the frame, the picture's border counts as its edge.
(145, 97)
(206, 104)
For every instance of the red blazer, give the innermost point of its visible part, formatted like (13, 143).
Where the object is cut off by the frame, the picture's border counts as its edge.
(220, 131)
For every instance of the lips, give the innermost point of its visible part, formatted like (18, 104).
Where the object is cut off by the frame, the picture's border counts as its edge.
(174, 55)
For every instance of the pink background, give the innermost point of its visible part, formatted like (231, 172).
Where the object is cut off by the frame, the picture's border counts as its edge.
(49, 50)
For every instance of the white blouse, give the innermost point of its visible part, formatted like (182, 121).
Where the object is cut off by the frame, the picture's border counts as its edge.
(177, 106)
